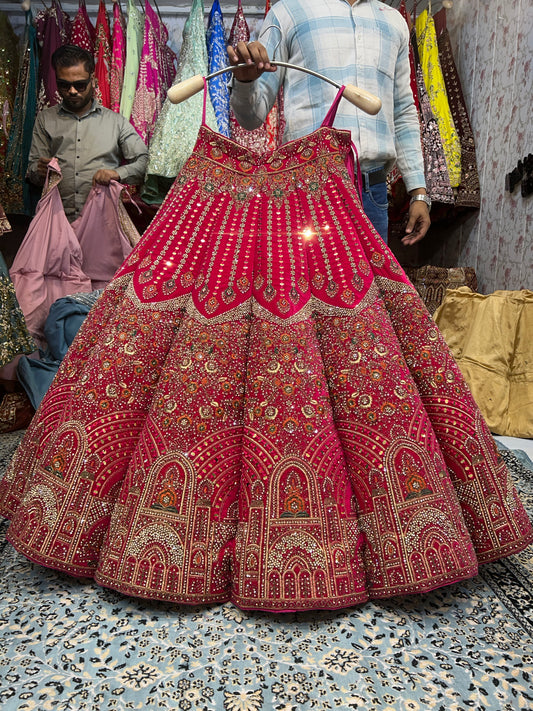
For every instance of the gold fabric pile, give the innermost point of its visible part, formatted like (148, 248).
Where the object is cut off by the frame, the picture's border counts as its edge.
(491, 339)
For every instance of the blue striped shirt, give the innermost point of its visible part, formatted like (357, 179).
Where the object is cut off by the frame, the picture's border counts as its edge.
(365, 44)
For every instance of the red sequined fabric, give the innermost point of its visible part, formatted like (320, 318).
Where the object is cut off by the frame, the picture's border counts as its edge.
(260, 408)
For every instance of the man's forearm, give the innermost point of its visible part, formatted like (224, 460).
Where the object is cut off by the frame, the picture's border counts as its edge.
(134, 171)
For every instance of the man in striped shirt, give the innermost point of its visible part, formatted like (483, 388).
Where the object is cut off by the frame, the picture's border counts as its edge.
(360, 42)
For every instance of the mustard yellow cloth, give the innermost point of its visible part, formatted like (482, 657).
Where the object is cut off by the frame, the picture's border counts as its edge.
(426, 39)
(491, 338)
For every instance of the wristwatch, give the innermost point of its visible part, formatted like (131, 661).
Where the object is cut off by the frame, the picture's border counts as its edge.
(424, 198)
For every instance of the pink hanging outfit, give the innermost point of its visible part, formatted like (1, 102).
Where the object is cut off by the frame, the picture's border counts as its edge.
(149, 95)
(118, 57)
(48, 263)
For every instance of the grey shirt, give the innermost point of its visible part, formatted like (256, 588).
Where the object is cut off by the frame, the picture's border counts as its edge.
(84, 144)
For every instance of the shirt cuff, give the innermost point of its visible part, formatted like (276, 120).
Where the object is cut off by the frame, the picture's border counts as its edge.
(413, 181)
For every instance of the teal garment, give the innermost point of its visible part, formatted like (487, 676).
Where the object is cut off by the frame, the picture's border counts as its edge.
(177, 127)
(134, 44)
(14, 335)
(18, 196)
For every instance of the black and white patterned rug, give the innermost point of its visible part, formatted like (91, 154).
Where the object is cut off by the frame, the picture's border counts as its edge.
(68, 645)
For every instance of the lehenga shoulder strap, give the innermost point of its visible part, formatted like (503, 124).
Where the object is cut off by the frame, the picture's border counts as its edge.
(330, 116)
(352, 158)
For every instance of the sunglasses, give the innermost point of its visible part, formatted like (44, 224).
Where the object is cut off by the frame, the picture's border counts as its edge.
(79, 86)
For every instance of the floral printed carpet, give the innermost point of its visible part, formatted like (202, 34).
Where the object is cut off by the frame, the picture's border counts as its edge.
(68, 645)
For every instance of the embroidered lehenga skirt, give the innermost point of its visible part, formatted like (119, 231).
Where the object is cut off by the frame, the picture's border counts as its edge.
(259, 408)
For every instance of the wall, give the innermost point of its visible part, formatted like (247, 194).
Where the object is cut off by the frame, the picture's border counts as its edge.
(492, 42)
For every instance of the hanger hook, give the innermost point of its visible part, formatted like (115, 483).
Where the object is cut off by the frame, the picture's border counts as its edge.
(269, 27)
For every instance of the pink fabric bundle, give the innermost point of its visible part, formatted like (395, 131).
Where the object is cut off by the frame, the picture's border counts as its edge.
(48, 263)
(57, 258)
(105, 233)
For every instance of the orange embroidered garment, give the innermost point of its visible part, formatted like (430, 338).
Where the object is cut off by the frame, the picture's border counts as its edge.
(260, 408)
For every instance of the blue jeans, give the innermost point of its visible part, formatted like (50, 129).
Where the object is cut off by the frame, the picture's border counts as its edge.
(375, 206)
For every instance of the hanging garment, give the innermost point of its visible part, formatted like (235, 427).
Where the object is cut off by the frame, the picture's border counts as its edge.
(260, 408)
(118, 57)
(218, 59)
(434, 82)
(48, 262)
(14, 335)
(102, 50)
(134, 44)
(177, 126)
(105, 232)
(490, 337)
(468, 192)
(14, 189)
(83, 33)
(148, 98)
(167, 58)
(438, 184)
(53, 30)
(9, 67)
(267, 136)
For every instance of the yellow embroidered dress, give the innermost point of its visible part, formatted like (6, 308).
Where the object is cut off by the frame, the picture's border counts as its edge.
(433, 77)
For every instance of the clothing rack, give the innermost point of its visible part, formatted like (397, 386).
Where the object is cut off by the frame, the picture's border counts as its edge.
(182, 7)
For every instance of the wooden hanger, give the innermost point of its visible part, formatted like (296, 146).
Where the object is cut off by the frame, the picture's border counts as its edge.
(364, 100)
